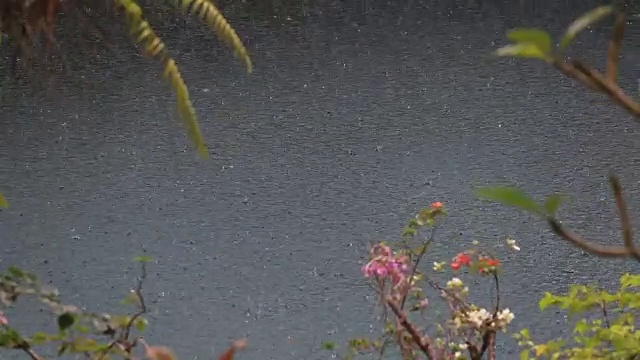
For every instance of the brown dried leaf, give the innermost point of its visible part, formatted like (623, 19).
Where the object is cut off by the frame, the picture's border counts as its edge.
(158, 352)
(237, 345)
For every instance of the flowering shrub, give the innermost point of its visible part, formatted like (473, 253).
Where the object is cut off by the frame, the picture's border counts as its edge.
(406, 289)
(95, 336)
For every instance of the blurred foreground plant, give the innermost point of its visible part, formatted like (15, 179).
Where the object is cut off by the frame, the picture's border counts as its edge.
(95, 336)
(612, 334)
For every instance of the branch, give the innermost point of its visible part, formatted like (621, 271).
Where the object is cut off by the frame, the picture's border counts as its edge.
(610, 251)
(594, 80)
(614, 48)
(122, 341)
(423, 344)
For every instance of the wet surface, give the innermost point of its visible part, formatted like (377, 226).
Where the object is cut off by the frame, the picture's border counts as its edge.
(354, 119)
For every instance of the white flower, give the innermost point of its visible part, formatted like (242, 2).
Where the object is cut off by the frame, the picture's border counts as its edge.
(511, 244)
(478, 317)
(453, 283)
(438, 266)
(457, 355)
(505, 317)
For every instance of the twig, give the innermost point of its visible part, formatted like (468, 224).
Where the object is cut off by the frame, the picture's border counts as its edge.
(24, 346)
(586, 245)
(614, 48)
(122, 341)
(625, 221)
(611, 89)
(27, 349)
(496, 280)
(594, 80)
(605, 314)
(422, 343)
(610, 251)
(142, 306)
(415, 264)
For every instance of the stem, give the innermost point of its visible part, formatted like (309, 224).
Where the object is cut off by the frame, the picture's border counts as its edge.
(496, 280)
(423, 343)
(415, 264)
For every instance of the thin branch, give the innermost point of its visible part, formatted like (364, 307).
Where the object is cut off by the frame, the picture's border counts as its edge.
(610, 251)
(417, 262)
(605, 314)
(587, 245)
(27, 349)
(142, 306)
(614, 48)
(611, 89)
(496, 280)
(423, 344)
(122, 341)
(625, 221)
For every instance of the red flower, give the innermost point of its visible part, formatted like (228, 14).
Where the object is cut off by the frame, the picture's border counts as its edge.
(463, 259)
(493, 262)
(455, 266)
(437, 205)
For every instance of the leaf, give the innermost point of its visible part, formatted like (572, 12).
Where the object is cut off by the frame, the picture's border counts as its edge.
(15, 272)
(39, 338)
(141, 324)
(65, 321)
(548, 300)
(552, 203)
(510, 196)
(522, 50)
(3, 202)
(328, 345)
(142, 259)
(581, 23)
(540, 38)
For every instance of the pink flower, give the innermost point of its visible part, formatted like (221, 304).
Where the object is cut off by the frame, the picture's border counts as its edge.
(385, 264)
(3, 319)
(424, 303)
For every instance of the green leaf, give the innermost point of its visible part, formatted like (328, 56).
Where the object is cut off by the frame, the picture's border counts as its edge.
(582, 23)
(65, 321)
(524, 355)
(142, 259)
(3, 201)
(328, 345)
(141, 324)
(548, 300)
(510, 196)
(552, 203)
(39, 338)
(15, 272)
(540, 38)
(522, 50)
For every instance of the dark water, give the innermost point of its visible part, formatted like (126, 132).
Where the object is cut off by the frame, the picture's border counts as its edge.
(354, 118)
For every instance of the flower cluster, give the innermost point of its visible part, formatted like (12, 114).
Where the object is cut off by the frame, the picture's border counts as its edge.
(479, 318)
(485, 264)
(385, 263)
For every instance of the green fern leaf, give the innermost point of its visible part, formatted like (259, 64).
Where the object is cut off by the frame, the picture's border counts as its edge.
(210, 14)
(143, 34)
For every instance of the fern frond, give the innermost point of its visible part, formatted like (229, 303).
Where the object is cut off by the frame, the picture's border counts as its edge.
(210, 14)
(143, 34)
